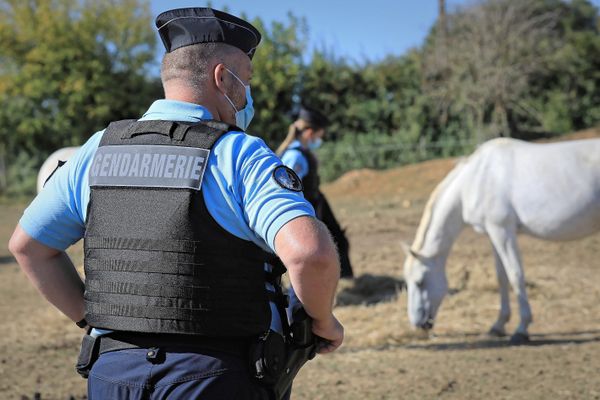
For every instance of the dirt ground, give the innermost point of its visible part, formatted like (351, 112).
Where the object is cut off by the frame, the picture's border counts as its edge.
(382, 358)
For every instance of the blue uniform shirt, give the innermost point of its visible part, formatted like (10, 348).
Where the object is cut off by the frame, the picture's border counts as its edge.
(238, 188)
(293, 158)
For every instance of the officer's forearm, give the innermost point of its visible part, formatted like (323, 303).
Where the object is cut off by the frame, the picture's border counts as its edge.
(315, 284)
(51, 272)
(307, 250)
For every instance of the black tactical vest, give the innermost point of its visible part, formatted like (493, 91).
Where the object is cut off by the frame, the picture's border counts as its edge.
(311, 181)
(155, 259)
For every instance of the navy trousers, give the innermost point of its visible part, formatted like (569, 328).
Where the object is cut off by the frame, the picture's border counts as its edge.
(176, 374)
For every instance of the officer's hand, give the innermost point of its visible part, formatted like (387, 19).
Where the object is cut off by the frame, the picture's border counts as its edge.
(331, 331)
(292, 129)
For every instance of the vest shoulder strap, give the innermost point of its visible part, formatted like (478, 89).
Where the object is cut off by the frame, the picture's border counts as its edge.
(114, 131)
(202, 134)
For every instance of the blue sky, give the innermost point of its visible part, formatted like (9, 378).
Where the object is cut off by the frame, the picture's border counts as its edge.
(365, 30)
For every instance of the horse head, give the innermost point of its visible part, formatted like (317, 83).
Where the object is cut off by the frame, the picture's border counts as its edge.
(426, 286)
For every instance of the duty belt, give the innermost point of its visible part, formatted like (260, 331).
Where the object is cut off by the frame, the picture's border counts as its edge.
(133, 340)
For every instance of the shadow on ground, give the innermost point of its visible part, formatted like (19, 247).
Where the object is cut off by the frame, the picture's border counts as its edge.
(368, 289)
(7, 260)
(481, 341)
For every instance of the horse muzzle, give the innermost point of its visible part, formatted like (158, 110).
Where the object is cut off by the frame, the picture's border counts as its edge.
(427, 325)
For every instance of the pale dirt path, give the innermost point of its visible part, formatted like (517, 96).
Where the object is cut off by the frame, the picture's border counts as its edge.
(382, 357)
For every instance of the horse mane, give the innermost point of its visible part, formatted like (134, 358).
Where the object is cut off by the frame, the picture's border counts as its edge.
(427, 214)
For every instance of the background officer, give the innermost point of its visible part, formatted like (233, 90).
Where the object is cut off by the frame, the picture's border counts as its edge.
(172, 267)
(296, 151)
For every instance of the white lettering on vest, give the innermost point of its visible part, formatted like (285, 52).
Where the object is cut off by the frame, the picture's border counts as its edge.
(96, 165)
(105, 163)
(180, 167)
(158, 164)
(197, 168)
(125, 164)
(135, 165)
(170, 165)
(114, 165)
(145, 165)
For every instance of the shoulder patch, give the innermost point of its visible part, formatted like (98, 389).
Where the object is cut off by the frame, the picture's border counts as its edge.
(287, 178)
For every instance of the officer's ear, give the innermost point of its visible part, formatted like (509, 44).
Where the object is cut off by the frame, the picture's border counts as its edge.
(218, 77)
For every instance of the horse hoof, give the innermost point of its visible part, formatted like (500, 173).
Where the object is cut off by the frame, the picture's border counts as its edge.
(496, 333)
(519, 339)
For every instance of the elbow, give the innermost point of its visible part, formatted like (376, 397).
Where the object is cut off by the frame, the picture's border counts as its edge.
(16, 246)
(22, 245)
(326, 259)
(305, 246)
(321, 259)
(27, 250)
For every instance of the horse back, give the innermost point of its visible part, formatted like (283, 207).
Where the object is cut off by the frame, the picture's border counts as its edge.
(551, 191)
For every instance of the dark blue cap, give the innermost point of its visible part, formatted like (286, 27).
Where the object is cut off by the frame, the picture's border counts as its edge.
(186, 26)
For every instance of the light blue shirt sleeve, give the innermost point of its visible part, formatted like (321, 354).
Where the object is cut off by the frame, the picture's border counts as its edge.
(56, 217)
(258, 206)
(294, 159)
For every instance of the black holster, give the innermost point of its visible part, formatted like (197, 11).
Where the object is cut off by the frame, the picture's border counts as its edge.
(275, 360)
(268, 357)
(90, 347)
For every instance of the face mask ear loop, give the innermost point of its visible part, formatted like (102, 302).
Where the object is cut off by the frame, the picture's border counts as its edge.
(236, 77)
(230, 102)
(227, 97)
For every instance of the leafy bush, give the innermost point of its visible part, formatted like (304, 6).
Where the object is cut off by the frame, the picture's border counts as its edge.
(380, 151)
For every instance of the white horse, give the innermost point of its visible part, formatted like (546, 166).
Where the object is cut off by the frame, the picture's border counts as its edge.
(56, 159)
(549, 191)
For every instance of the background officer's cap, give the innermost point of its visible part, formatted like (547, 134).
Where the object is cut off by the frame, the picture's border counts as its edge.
(186, 26)
(313, 117)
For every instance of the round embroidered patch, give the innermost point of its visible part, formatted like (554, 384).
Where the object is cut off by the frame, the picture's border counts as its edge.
(287, 178)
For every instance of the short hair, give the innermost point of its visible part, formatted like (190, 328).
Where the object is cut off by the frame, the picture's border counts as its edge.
(194, 63)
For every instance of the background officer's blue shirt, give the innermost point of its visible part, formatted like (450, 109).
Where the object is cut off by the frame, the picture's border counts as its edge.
(238, 188)
(293, 158)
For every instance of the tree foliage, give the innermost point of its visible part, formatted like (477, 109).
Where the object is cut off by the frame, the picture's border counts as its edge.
(68, 68)
(277, 66)
(512, 67)
(494, 67)
(482, 64)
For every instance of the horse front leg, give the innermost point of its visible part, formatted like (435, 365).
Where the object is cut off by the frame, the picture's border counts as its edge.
(505, 244)
(498, 329)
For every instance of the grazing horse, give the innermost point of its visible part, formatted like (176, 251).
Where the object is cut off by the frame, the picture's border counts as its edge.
(56, 159)
(548, 191)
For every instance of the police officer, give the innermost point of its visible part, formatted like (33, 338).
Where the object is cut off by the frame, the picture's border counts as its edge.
(181, 212)
(296, 151)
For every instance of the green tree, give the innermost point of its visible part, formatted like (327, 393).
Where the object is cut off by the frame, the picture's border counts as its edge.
(517, 68)
(277, 66)
(567, 95)
(483, 67)
(68, 67)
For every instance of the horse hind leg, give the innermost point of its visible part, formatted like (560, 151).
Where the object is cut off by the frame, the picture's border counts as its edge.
(505, 244)
(498, 329)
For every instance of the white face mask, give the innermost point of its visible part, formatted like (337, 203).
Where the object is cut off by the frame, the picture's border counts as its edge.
(244, 116)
